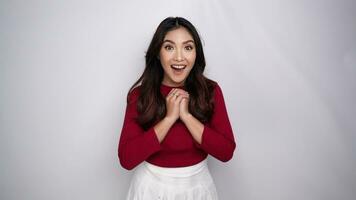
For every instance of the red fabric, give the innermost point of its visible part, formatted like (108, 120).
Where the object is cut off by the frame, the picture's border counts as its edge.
(178, 149)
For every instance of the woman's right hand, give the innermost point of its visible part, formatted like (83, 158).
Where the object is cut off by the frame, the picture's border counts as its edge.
(173, 100)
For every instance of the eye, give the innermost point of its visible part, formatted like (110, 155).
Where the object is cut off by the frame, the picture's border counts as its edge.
(189, 48)
(168, 47)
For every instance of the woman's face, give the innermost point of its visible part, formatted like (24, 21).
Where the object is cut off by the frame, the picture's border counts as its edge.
(177, 56)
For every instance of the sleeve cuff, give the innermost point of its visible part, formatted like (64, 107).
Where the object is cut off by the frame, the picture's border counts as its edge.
(152, 141)
(201, 146)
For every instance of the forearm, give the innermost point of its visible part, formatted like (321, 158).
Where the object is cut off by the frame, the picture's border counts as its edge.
(162, 128)
(133, 151)
(215, 143)
(194, 126)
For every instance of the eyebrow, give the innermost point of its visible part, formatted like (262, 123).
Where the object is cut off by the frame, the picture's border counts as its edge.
(170, 41)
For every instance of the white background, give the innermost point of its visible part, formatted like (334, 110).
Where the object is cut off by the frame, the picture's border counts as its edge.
(287, 70)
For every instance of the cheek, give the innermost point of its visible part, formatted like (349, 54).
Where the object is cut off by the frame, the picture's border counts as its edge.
(192, 58)
(165, 57)
(191, 55)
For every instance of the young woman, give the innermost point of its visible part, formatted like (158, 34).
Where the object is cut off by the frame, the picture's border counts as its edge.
(174, 118)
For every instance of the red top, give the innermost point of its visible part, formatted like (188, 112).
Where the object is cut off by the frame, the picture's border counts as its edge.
(178, 148)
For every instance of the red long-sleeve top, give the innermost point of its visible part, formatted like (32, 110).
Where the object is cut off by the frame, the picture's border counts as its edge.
(178, 148)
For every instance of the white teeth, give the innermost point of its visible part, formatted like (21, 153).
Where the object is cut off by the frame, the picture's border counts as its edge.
(178, 66)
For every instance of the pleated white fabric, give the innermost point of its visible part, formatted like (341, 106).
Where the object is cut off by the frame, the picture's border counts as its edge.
(151, 182)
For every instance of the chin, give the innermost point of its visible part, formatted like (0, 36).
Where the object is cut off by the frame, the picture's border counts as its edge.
(178, 81)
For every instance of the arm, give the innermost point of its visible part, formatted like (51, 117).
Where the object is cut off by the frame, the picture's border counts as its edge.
(135, 144)
(194, 126)
(216, 138)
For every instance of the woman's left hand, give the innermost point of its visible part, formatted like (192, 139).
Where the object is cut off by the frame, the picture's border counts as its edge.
(183, 107)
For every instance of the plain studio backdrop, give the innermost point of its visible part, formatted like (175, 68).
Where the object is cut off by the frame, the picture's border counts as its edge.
(287, 70)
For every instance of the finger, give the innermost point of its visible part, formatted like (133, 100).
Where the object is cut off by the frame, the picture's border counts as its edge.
(178, 99)
(171, 94)
(176, 96)
(173, 97)
(181, 91)
(185, 99)
(174, 93)
(185, 95)
(178, 93)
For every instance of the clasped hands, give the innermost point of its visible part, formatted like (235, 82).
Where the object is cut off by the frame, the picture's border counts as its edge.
(177, 104)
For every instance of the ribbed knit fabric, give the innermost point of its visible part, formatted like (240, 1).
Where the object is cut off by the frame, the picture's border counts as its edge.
(178, 149)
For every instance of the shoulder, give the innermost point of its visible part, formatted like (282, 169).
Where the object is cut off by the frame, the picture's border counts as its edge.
(214, 86)
(133, 94)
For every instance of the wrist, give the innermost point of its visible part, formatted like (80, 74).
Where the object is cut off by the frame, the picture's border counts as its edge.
(169, 120)
(186, 117)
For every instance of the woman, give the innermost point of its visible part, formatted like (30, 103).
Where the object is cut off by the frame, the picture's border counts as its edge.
(174, 119)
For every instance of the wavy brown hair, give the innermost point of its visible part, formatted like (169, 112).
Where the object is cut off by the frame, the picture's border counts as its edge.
(151, 105)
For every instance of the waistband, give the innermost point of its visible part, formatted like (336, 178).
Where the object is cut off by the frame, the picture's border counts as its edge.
(177, 171)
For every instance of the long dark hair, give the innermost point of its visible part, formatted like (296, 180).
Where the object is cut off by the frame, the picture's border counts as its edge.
(151, 105)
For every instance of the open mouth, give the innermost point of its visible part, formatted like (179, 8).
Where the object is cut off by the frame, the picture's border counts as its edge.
(178, 68)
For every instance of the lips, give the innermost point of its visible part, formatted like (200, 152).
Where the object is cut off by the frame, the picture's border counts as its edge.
(178, 67)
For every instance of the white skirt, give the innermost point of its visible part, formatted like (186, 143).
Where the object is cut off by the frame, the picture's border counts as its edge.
(151, 182)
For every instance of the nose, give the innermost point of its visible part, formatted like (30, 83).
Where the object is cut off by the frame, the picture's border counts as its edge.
(178, 55)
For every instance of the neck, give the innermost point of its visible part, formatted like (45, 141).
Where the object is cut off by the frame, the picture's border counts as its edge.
(173, 85)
